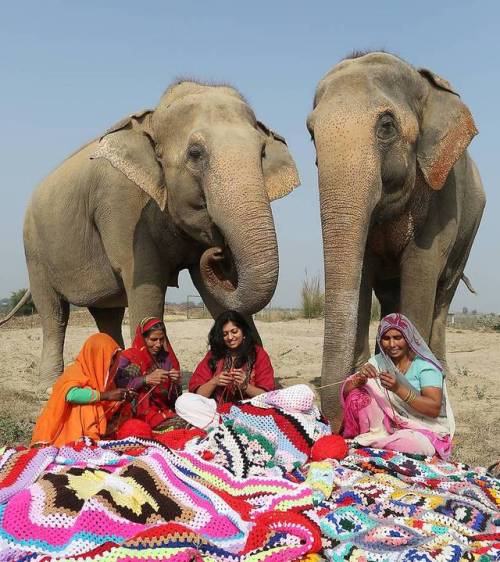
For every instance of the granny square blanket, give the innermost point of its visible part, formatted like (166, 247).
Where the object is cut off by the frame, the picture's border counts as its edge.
(138, 500)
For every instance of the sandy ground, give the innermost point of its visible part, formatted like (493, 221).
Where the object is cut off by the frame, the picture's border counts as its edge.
(295, 348)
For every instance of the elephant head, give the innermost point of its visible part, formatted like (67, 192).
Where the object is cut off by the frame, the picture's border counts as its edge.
(381, 129)
(207, 162)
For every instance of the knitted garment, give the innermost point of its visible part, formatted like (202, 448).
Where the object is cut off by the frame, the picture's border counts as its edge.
(136, 500)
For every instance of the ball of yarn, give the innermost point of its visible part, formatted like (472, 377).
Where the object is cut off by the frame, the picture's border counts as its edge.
(329, 447)
(134, 428)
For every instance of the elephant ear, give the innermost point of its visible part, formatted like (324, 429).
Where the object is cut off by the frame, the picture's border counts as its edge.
(129, 147)
(280, 172)
(446, 131)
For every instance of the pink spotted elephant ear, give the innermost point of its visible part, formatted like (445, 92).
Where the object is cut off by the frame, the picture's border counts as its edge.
(447, 128)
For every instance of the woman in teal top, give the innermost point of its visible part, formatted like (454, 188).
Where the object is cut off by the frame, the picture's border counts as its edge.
(398, 399)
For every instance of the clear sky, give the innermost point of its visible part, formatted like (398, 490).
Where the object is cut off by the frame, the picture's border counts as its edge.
(71, 69)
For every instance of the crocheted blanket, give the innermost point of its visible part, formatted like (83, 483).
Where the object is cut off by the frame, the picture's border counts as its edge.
(136, 500)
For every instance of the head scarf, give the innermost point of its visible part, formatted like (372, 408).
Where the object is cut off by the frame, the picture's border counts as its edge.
(61, 422)
(139, 353)
(414, 340)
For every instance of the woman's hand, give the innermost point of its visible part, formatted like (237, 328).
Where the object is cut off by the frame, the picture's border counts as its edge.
(117, 395)
(239, 378)
(389, 381)
(368, 371)
(157, 377)
(223, 379)
(174, 375)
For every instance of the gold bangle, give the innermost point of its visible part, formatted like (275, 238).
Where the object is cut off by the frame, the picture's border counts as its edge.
(412, 397)
(409, 397)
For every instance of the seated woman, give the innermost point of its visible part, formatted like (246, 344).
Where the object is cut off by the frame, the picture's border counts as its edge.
(151, 369)
(235, 367)
(79, 405)
(398, 399)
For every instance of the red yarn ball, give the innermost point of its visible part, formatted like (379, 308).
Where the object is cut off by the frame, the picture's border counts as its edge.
(134, 428)
(329, 447)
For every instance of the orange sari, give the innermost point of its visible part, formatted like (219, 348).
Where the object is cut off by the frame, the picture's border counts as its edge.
(62, 422)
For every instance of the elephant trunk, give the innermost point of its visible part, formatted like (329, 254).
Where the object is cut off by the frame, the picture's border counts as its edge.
(243, 274)
(350, 186)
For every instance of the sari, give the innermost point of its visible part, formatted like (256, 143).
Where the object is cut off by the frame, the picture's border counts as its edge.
(62, 422)
(153, 405)
(375, 416)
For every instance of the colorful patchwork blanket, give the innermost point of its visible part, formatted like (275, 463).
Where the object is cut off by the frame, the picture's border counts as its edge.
(137, 500)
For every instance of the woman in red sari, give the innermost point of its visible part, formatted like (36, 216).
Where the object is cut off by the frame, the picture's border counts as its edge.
(151, 369)
(235, 368)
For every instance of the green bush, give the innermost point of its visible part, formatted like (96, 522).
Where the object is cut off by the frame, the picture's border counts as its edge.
(313, 298)
(26, 309)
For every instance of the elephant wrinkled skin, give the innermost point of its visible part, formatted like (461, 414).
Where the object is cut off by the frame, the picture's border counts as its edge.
(186, 185)
(400, 198)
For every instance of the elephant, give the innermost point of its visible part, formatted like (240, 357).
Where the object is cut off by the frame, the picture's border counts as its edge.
(400, 201)
(186, 185)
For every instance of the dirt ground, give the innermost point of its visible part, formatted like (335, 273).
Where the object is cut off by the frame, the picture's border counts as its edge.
(295, 348)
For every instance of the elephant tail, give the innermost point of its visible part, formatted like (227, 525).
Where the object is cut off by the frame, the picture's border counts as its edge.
(468, 284)
(25, 298)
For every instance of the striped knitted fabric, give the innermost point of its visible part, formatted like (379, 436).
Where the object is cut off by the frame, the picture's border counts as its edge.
(136, 500)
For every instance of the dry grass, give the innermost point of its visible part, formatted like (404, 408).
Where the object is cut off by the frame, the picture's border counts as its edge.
(312, 298)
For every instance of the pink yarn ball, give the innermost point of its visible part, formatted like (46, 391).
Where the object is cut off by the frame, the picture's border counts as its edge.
(329, 447)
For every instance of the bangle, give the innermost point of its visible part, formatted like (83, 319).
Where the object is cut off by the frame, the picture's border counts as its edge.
(95, 397)
(410, 397)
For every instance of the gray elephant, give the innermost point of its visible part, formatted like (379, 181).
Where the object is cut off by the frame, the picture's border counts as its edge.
(186, 185)
(401, 201)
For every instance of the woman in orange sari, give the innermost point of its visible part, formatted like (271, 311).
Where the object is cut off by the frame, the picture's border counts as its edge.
(83, 398)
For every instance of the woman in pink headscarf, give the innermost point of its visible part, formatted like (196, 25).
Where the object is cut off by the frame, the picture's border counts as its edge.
(398, 399)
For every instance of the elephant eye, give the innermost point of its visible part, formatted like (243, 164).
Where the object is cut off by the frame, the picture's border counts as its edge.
(195, 152)
(263, 151)
(386, 128)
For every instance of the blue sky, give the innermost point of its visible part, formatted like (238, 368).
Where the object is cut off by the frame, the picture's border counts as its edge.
(71, 69)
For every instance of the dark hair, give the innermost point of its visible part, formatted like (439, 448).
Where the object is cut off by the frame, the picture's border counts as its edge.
(158, 326)
(246, 351)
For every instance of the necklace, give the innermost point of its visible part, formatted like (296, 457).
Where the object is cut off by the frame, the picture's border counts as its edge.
(404, 369)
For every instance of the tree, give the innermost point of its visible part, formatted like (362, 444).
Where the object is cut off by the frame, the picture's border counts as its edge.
(26, 309)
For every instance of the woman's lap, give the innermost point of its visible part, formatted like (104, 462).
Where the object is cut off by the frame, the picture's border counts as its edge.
(406, 441)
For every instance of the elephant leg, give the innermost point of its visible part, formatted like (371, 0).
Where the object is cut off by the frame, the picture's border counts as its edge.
(143, 301)
(445, 293)
(419, 280)
(109, 321)
(54, 315)
(213, 306)
(437, 341)
(387, 292)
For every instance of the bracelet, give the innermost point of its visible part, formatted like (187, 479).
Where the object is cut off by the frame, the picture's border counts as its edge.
(96, 396)
(410, 397)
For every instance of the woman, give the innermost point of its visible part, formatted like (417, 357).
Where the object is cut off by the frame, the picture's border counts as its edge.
(398, 399)
(151, 369)
(235, 367)
(83, 398)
